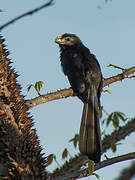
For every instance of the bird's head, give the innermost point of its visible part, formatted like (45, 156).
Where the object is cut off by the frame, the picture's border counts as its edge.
(67, 39)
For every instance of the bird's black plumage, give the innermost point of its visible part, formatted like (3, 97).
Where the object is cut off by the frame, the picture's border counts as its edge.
(85, 77)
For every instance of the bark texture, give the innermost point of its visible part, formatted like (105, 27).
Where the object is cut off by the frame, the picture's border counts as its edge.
(20, 152)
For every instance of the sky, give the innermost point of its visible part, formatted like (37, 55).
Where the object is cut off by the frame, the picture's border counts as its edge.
(107, 30)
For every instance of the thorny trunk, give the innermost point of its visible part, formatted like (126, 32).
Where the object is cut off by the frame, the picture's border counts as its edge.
(20, 152)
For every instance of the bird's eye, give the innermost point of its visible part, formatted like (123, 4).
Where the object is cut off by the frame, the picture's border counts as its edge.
(68, 39)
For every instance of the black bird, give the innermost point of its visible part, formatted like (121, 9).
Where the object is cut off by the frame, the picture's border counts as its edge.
(85, 77)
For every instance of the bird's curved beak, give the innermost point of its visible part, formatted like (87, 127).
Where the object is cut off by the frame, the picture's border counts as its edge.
(58, 39)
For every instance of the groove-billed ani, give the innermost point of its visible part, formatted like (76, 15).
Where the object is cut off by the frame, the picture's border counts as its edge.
(85, 77)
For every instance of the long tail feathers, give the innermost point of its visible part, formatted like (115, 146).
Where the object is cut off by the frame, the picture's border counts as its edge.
(89, 136)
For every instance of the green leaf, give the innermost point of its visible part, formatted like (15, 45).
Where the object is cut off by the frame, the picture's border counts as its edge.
(103, 121)
(107, 90)
(38, 86)
(50, 158)
(122, 116)
(113, 147)
(71, 140)
(84, 163)
(29, 87)
(115, 120)
(91, 167)
(65, 153)
(109, 119)
(75, 140)
(100, 112)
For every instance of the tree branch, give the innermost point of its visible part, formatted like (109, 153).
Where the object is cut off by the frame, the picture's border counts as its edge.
(74, 164)
(64, 93)
(114, 160)
(84, 173)
(26, 14)
(119, 77)
(118, 67)
(118, 135)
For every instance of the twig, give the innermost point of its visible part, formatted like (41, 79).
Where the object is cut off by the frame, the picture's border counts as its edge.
(133, 76)
(118, 67)
(64, 93)
(84, 173)
(26, 14)
(114, 160)
(119, 77)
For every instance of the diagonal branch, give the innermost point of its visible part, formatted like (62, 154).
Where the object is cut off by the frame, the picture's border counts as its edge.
(74, 164)
(114, 160)
(84, 173)
(119, 77)
(64, 93)
(26, 14)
